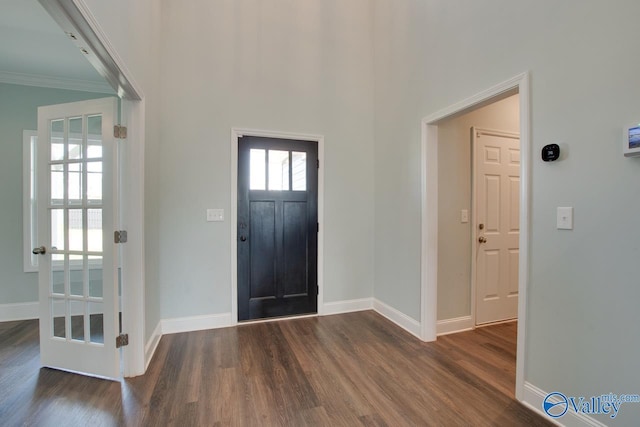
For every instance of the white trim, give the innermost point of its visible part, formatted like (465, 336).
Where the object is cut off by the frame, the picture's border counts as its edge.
(75, 17)
(455, 325)
(54, 82)
(133, 253)
(429, 262)
(195, 323)
(19, 311)
(405, 322)
(348, 306)
(533, 398)
(152, 345)
(429, 230)
(236, 133)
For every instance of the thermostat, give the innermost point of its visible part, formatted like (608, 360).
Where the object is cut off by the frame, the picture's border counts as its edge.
(631, 140)
(550, 152)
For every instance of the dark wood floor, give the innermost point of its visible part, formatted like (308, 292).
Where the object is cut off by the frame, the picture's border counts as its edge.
(344, 370)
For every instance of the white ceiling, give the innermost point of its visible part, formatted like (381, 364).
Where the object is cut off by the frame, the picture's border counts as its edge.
(35, 51)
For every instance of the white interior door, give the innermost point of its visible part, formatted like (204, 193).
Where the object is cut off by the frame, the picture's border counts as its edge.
(77, 206)
(497, 224)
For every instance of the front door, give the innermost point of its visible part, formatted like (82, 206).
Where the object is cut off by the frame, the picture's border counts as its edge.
(277, 227)
(497, 222)
(77, 195)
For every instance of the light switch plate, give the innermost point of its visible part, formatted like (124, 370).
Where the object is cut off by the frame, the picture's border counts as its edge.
(565, 218)
(464, 216)
(215, 215)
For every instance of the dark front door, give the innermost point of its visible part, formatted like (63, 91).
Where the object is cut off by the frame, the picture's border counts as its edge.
(277, 227)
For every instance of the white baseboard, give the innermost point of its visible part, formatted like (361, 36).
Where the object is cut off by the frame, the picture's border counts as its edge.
(347, 306)
(19, 311)
(195, 323)
(405, 322)
(455, 325)
(152, 345)
(533, 398)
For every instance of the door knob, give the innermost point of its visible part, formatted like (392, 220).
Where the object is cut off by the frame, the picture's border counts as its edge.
(39, 251)
(243, 238)
(482, 239)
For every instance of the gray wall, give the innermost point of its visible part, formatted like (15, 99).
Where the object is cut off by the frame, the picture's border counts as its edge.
(287, 66)
(583, 286)
(454, 194)
(18, 111)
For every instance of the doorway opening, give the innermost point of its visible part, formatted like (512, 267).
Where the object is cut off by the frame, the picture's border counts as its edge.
(436, 318)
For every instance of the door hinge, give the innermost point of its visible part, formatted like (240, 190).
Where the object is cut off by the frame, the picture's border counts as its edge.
(120, 236)
(122, 340)
(318, 163)
(317, 227)
(120, 132)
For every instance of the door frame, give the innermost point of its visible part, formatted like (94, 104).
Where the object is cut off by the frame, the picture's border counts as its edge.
(75, 17)
(474, 219)
(519, 84)
(237, 133)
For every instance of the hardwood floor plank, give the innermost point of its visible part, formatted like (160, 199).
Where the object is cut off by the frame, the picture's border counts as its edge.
(343, 370)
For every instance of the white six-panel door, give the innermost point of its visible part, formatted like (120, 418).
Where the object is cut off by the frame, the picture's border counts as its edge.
(496, 222)
(77, 195)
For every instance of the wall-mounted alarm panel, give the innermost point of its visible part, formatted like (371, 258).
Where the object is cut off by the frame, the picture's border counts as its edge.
(631, 140)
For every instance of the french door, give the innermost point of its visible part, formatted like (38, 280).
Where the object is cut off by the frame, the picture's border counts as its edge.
(77, 215)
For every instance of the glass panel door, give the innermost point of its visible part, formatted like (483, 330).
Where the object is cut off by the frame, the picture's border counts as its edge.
(78, 291)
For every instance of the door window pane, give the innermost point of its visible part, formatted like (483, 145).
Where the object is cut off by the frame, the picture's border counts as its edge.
(299, 171)
(94, 232)
(96, 310)
(257, 174)
(57, 184)
(76, 276)
(75, 183)
(57, 229)
(58, 318)
(57, 274)
(74, 147)
(57, 140)
(94, 182)
(278, 170)
(95, 276)
(77, 320)
(94, 137)
(76, 234)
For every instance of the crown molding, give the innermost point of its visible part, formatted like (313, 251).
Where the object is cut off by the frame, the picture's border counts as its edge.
(54, 82)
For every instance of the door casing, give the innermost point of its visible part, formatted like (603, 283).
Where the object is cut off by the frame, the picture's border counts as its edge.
(76, 18)
(236, 133)
(519, 84)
